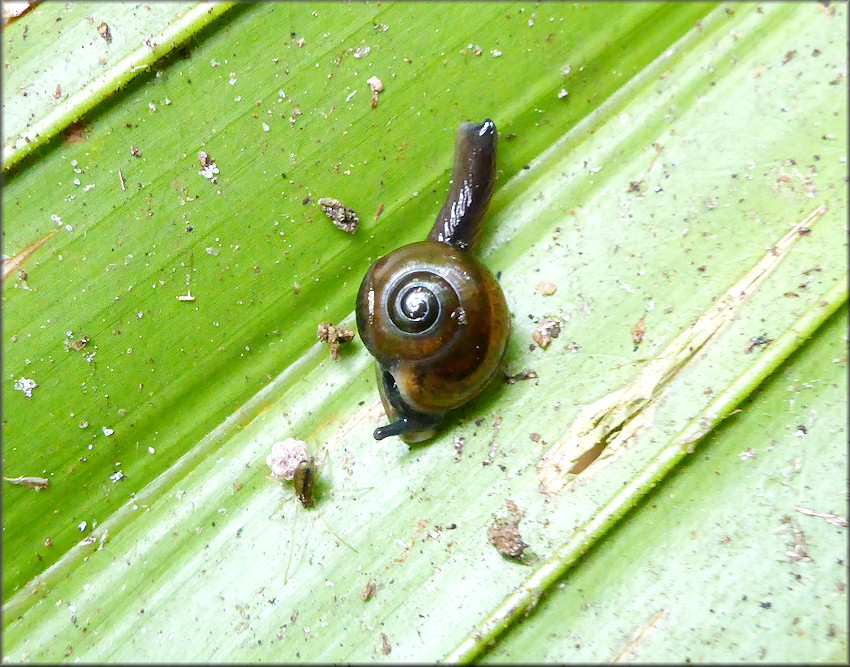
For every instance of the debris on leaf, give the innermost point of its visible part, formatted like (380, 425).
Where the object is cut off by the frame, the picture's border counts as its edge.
(377, 86)
(368, 590)
(504, 533)
(76, 132)
(76, 345)
(546, 287)
(286, 456)
(757, 341)
(520, 377)
(460, 446)
(37, 483)
(104, 32)
(343, 217)
(638, 330)
(834, 519)
(208, 168)
(798, 552)
(334, 337)
(304, 480)
(386, 648)
(546, 331)
(25, 385)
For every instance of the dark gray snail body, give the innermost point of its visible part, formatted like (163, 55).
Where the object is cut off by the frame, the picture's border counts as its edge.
(431, 314)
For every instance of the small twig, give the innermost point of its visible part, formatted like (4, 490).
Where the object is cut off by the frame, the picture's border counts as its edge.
(37, 483)
(834, 519)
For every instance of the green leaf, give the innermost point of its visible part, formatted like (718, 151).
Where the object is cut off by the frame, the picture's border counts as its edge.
(691, 139)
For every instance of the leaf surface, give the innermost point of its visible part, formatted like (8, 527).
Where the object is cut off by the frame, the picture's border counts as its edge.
(688, 142)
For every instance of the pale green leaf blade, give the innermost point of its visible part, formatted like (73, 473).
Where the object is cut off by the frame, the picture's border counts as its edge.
(194, 566)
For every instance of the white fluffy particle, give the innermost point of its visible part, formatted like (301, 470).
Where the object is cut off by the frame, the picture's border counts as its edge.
(25, 385)
(286, 456)
(209, 171)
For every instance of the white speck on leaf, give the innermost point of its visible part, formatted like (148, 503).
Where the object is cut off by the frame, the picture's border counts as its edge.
(377, 86)
(25, 385)
(107, 431)
(209, 172)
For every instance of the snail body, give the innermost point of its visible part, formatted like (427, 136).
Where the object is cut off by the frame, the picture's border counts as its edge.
(433, 315)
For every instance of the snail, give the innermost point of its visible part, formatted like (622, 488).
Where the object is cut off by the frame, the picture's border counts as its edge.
(431, 314)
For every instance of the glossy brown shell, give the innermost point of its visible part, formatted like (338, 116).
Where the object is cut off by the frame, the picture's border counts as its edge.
(456, 357)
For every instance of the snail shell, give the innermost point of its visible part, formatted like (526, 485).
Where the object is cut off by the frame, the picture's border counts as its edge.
(431, 314)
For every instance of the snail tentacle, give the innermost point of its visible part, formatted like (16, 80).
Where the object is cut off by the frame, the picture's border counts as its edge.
(403, 426)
